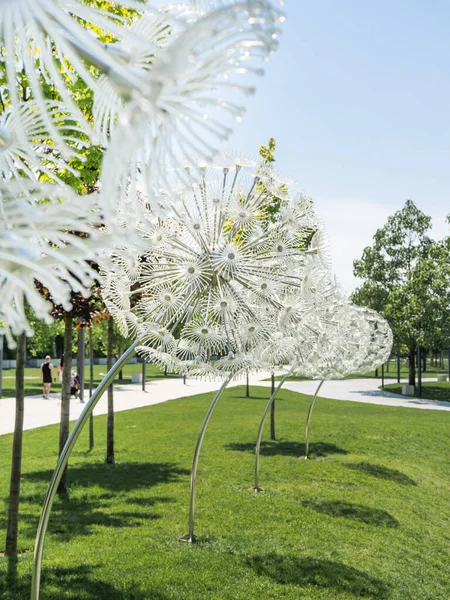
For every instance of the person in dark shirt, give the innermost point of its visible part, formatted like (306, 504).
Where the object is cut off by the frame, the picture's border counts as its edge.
(74, 384)
(47, 376)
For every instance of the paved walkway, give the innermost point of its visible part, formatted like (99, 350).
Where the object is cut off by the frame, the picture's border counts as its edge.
(361, 390)
(40, 412)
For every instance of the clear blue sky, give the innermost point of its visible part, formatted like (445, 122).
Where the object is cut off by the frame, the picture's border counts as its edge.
(358, 100)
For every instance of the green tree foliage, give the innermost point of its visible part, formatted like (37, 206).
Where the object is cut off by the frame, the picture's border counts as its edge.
(406, 278)
(47, 338)
(267, 153)
(272, 207)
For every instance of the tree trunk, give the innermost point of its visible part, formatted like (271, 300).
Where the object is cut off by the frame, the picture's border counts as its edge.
(412, 365)
(81, 351)
(110, 458)
(16, 466)
(91, 387)
(272, 421)
(1, 365)
(272, 411)
(65, 395)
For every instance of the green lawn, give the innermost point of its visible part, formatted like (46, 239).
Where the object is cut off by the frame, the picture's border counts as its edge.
(367, 517)
(431, 390)
(33, 384)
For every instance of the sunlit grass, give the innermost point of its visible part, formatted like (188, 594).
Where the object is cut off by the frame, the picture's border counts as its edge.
(367, 517)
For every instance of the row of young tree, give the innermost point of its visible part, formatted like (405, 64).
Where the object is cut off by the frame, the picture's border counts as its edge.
(74, 327)
(406, 277)
(81, 173)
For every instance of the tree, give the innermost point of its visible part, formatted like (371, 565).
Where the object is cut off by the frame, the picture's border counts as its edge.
(91, 386)
(405, 275)
(272, 208)
(16, 466)
(65, 395)
(267, 153)
(110, 457)
(47, 337)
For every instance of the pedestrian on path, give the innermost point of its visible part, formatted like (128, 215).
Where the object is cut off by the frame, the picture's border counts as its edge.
(47, 376)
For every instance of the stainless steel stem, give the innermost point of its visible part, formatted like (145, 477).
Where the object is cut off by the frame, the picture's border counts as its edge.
(260, 431)
(308, 419)
(61, 464)
(190, 537)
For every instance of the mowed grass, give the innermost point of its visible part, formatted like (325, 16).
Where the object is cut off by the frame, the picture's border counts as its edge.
(367, 517)
(431, 390)
(33, 385)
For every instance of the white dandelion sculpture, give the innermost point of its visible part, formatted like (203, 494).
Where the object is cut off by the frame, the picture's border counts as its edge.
(213, 274)
(347, 339)
(362, 341)
(214, 271)
(48, 42)
(25, 147)
(168, 79)
(364, 344)
(47, 238)
(192, 83)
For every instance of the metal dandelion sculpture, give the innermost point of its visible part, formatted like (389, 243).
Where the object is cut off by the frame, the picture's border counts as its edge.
(26, 150)
(191, 88)
(46, 237)
(213, 272)
(45, 44)
(335, 339)
(216, 267)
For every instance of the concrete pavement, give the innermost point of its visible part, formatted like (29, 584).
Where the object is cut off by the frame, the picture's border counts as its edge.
(361, 390)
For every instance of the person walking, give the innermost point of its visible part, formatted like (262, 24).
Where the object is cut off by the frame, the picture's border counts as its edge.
(47, 376)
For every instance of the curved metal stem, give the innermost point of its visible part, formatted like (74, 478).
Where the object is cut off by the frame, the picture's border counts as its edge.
(308, 419)
(190, 537)
(61, 464)
(260, 431)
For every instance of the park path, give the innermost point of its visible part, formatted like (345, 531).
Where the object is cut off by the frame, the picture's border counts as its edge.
(40, 412)
(361, 390)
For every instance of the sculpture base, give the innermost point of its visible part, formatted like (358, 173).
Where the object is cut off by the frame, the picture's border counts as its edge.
(257, 489)
(188, 539)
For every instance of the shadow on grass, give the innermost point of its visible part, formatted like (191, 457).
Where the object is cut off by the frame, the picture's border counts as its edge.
(76, 583)
(285, 448)
(121, 477)
(354, 512)
(320, 573)
(86, 510)
(84, 517)
(382, 473)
